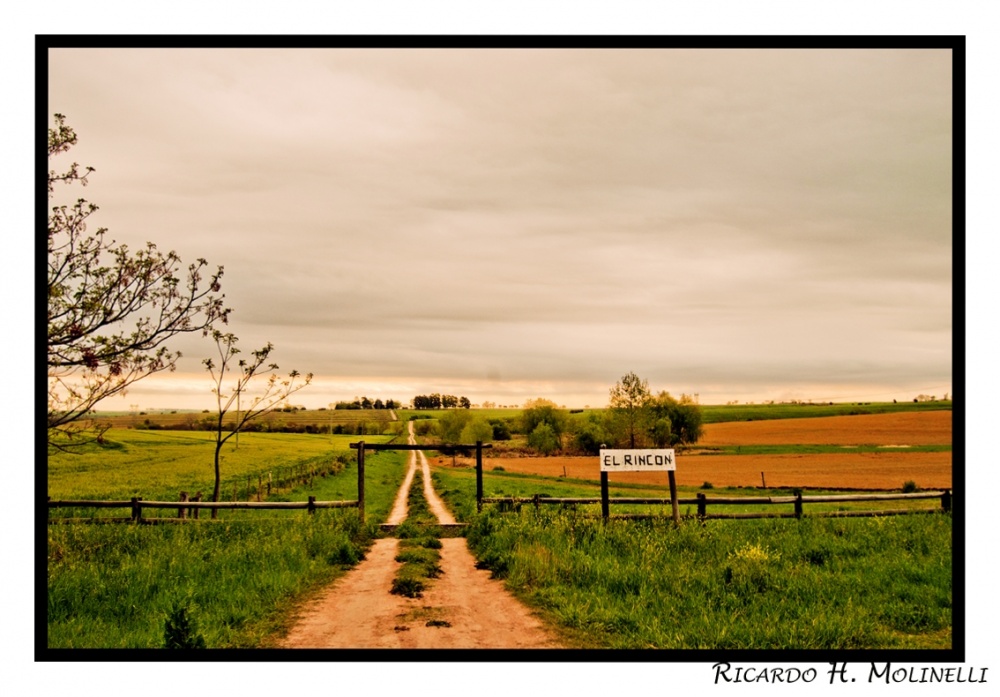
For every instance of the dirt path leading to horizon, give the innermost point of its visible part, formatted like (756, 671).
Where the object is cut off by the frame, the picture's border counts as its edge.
(461, 609)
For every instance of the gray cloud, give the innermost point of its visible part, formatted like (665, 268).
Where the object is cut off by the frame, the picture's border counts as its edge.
(722, 221)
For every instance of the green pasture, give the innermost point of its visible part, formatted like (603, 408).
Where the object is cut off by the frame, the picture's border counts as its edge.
(275, 420)
(114, 586)
(721, 413)
(238, 579)
(823, 583)
(815, 583)
(157, 465)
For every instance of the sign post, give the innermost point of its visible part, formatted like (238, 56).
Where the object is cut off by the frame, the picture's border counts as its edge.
(639, 461)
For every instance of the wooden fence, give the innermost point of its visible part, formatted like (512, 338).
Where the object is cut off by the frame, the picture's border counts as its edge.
(702, 502)
(188, 509)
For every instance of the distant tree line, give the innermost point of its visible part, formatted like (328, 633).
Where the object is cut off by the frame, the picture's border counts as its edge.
(439, 401)
(365, 403)
(634, 418)
(271, 425)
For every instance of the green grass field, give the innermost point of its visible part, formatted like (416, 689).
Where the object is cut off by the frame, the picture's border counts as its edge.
(814, 583)
(761, 584)
(757, 412)
(873, 583)
(160, 464)
(237, 578)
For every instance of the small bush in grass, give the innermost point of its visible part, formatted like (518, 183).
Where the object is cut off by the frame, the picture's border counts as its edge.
(180, 631)
(749, 570)
(708, 485)
(346, 553)
(817, 556)
(909, 486)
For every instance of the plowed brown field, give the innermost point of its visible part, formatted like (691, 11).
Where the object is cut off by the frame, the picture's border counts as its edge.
(914, 428)
(887, 468)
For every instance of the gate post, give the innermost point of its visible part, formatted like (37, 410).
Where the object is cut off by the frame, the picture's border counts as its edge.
(479, 476)
(361, 480)
(605, 500)
(673, 497)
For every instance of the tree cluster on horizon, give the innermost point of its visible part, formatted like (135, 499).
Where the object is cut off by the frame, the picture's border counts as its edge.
(366, 403)
(439, 401)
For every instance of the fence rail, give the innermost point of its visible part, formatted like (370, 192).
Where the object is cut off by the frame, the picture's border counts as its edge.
(187, 508)
(702, 501)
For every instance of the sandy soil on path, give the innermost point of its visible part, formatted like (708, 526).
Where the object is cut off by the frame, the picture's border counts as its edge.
(461, 609)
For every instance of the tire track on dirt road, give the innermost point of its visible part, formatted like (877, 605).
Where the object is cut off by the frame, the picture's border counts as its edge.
(462, 609)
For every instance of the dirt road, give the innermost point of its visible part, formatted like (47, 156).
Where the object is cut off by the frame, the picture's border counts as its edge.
(462, 609)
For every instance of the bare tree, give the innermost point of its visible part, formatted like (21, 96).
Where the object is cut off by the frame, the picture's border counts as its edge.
(246, 371)
(110, 310)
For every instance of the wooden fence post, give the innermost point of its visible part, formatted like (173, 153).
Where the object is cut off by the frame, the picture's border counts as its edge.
(312, 505)
(798, 504)
(260, 484)
(196, 511)
(673, 497)
(136, 509)
(182, 511)
(479, 475)
(702, 505)
(361, 480)
(946, 501)
(605, 497)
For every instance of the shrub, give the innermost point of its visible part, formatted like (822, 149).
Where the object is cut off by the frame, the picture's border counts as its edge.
(501, 429)
(543, 439)
(909, 487)
(590, 435)
(180, 631)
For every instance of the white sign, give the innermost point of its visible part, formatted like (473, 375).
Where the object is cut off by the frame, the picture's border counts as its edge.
(637, 460)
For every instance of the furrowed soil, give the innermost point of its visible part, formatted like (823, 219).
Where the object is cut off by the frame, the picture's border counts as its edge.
(888, 466)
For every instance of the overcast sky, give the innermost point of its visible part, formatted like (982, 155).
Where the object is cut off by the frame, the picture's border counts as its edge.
(509, 224)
